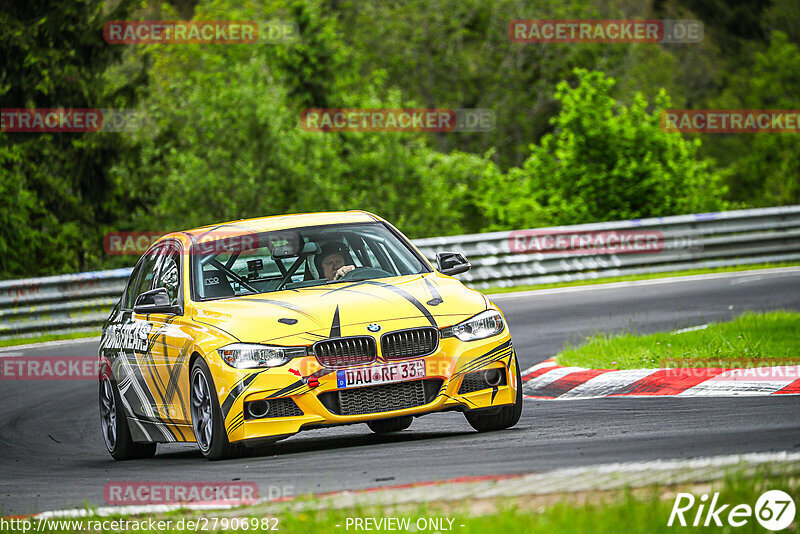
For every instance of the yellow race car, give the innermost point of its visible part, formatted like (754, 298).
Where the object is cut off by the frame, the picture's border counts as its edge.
(247, 332)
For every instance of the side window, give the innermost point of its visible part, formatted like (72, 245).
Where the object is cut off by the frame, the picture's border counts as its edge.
(130, 289)
(169, 275)
(148, 268)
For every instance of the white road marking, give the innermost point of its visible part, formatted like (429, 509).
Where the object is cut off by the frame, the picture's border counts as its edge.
(649, 282)
(600, 477)
(690, 329)
(55, 343)
(546, 363)
(607, 383)
(548, 378)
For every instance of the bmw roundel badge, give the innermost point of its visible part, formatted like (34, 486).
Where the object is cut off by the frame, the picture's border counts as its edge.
(373, 327)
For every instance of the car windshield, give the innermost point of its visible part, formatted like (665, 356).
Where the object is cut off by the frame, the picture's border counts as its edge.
(301, 257)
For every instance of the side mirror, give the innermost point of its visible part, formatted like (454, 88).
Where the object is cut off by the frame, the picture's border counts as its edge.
(451, 263)
(155, 301)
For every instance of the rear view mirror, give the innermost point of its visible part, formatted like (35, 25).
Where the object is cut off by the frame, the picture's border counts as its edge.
(285, 244)
(289, 251)
(284, 251)
(452, 263)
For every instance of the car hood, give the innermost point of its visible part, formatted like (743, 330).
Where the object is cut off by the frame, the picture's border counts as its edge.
(303, 316)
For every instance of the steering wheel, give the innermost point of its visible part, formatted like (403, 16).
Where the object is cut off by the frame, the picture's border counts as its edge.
(362, 273)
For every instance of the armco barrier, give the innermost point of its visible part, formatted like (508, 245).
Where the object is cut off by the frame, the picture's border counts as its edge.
(80, 302)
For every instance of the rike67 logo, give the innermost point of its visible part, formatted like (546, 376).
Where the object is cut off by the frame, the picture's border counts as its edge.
(774, 510)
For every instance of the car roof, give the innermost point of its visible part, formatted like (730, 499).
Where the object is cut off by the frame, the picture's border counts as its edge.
(283, 222)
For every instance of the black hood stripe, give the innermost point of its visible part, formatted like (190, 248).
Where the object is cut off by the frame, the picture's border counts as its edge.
(336, 327)
(409, 297)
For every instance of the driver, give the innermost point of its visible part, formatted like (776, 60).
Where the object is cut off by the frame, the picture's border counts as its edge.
(331, 261)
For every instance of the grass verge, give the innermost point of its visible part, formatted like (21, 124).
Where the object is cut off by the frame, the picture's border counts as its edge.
(639, 510)
(630, 278)
(750, 340)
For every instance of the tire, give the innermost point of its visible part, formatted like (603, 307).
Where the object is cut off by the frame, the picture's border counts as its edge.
(386, 426)
(207, 423)
(114, 425)
(507, 417)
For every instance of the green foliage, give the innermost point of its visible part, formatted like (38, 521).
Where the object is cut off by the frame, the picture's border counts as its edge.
(766, 171)
(222, 139)
(456, 53)
(604, 161)
(58, 184)
(234, 149)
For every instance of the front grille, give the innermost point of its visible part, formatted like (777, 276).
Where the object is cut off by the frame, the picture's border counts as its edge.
(409, 343)
(284, 407)
(472, 382)
(280, 407)
(383, 398)
(475, 381)
(345, 351)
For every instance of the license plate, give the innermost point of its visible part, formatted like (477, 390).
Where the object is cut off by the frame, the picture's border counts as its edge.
(380, 374)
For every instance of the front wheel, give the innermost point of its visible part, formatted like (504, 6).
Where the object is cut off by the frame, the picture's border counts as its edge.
(507, 417)
(114, 424)
(207, 423)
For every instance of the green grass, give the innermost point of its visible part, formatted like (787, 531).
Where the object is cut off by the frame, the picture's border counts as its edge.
(645, 510)
(750, 340)
(46, 337)
(629, 278)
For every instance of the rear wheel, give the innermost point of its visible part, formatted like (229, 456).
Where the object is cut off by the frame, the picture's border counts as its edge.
(386, 426)
(114, 424)
(207, 423)
(507, 417)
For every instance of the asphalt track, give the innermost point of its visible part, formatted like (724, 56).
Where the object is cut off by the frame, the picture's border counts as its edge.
(53, 456)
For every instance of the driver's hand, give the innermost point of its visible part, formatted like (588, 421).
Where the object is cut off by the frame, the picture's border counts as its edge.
(343, 271)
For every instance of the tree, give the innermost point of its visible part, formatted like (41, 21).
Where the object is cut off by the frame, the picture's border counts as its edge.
(54, 56)
(604, 161)
(766, 168)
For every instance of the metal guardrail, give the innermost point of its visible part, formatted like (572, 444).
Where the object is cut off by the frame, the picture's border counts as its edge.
(81, 302)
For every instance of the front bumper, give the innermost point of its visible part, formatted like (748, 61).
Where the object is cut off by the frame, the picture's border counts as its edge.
(445, 371)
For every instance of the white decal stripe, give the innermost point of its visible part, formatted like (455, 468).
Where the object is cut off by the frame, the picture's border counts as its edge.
(123, 386)
(147, 408)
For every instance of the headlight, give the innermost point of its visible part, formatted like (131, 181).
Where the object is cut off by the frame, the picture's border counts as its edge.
(250, 356)
(483, 325)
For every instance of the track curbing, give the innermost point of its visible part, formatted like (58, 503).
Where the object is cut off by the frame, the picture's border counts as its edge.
(550, 381)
